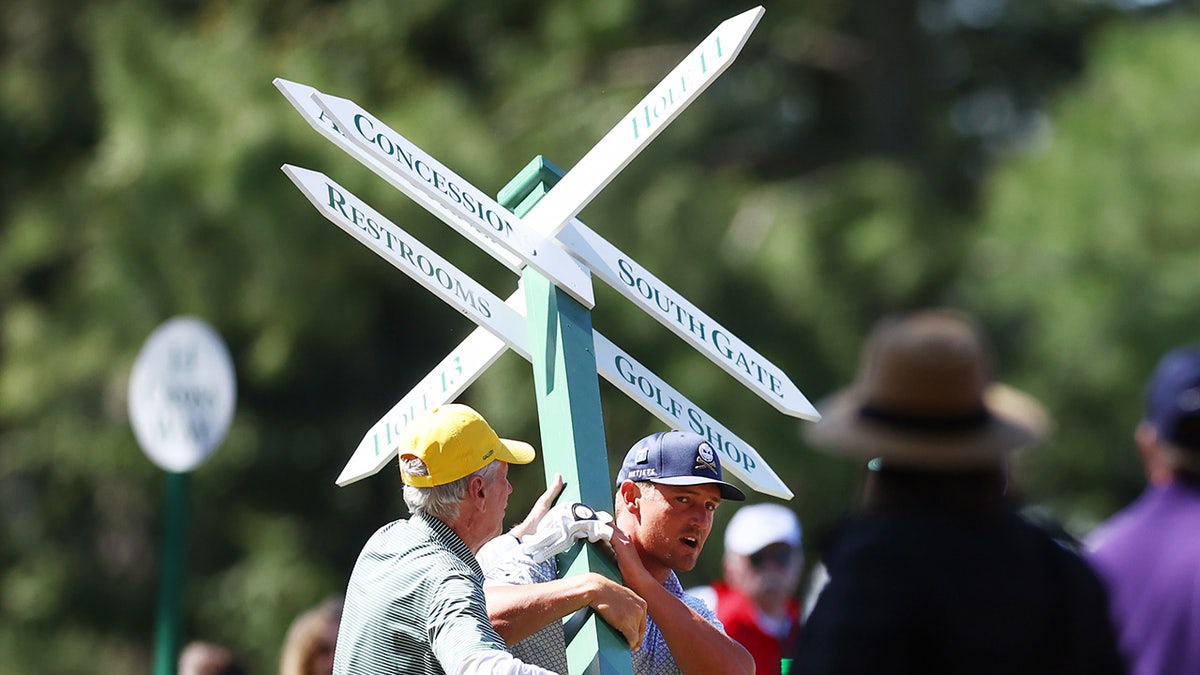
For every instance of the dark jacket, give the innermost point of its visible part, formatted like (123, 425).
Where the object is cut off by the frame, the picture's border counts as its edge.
(932, 590)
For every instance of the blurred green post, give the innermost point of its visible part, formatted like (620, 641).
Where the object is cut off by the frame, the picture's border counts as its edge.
(171, 575)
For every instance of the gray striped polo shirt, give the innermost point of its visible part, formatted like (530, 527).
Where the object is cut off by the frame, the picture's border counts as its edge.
(414, 603)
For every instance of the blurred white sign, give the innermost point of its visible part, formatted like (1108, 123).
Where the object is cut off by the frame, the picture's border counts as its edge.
(181, 394)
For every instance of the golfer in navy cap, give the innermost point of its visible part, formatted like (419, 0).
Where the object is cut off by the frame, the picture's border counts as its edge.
(669, 486)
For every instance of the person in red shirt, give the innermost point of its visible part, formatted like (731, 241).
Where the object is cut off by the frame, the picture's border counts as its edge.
(756, 597)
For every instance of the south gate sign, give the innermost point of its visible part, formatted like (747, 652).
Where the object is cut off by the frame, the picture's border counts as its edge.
(551, 240)
(504, 323)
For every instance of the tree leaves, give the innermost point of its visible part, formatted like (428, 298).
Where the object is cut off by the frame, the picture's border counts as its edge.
(141, 146)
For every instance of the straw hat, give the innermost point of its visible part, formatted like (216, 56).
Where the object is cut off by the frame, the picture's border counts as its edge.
(924, 398)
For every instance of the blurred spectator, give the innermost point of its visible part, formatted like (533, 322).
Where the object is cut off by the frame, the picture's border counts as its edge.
(206, 658)
(937, 572)
(756, 597)
(310, 641)
(1149, 554)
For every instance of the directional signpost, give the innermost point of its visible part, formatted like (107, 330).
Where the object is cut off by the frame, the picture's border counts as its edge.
(532, 230)
(502, 327)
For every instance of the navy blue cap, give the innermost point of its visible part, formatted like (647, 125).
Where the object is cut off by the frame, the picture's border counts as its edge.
(1173, 398)
(676, 458)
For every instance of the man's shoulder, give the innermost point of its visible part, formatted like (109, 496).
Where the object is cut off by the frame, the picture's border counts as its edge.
(409, 549)
(1127, 525)
(706, 594)
(902, 540)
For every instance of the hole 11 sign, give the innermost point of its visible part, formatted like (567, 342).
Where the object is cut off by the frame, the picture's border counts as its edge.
(182, 394)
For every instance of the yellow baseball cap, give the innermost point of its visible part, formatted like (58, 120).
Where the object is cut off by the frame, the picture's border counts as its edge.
(455, 441)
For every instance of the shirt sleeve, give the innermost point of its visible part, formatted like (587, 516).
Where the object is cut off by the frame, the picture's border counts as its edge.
(458, 623)
(497, 663)
(702, 608)
(704, 594)
(512, 566)
(497, 551)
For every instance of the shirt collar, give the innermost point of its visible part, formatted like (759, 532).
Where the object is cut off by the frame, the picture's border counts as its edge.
(441, 533)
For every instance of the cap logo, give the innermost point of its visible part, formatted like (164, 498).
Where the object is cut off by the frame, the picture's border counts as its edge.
(642, 455)
(641, 474)
(705, 458)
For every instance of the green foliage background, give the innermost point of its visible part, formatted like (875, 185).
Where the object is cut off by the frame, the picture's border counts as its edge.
(1033, 162)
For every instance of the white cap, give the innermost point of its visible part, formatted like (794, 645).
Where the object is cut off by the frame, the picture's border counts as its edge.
(756, 526)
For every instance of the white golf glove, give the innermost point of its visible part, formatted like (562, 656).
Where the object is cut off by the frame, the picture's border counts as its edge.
(562, 525)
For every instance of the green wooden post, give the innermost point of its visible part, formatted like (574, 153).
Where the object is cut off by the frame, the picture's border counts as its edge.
(171, 575)
(570, 420)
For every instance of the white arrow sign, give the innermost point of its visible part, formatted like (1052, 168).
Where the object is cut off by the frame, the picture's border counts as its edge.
(411, 168)
(443, 384)
(668, 405)
(686, 320)
(605, 260)
(470, 358)
(642, 124)
(410, 256)
(300, 96)
(476, 215)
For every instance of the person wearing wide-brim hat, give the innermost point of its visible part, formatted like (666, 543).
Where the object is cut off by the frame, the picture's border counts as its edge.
(925, 398)
(936, 572)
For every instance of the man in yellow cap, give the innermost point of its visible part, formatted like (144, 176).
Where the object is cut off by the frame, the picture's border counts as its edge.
(415, 600)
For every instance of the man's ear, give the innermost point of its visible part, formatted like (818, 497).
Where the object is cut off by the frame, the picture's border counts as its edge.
(629, 495)
(1155, 461)
(477, 488)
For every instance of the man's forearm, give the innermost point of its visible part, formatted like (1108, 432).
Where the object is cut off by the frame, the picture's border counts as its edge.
(520, 611)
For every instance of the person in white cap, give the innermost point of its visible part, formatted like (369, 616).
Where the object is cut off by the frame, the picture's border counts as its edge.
(756, 597)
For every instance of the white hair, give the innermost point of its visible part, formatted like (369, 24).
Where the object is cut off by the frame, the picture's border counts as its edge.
(439, 501)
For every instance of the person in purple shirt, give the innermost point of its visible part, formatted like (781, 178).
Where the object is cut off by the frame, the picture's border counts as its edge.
(1148, 555)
